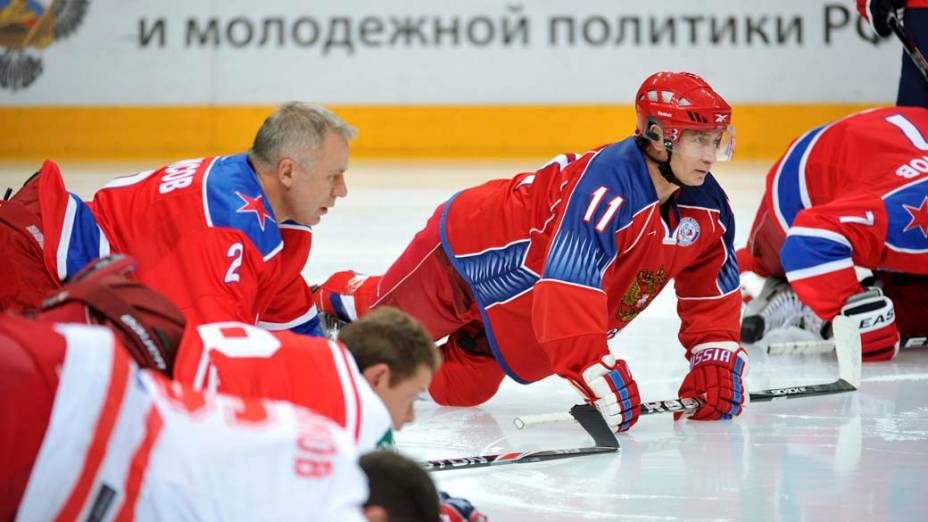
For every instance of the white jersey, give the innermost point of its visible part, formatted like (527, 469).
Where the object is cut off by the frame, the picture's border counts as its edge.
(313, 372)
(128, 444)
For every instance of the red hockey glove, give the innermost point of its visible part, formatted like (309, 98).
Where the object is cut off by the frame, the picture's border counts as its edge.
(345, 295)
(875, 317)
(608, 385)
(457, 509)
(715, 377)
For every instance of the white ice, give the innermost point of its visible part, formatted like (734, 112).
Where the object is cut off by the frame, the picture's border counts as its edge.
(854, 456)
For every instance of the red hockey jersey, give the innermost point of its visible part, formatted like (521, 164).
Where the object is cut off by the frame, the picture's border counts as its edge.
(202, 233)
(205, 236)
(852, 192)
(319, 374)
(563, 257)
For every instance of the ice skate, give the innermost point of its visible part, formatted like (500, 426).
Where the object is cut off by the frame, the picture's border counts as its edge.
(778, 312)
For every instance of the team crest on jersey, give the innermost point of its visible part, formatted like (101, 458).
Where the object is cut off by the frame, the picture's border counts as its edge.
(27, 27)
(639, 295)
(256, 205)
(687, 231)
(907, 210)
(919, 216)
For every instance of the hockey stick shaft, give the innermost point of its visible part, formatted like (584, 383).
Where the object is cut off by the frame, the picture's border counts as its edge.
(686, 406)
(847, 350)
(827, 346)
(514, 458)
(792, 392)
(647, 408)
(800, 347)
(910, 48)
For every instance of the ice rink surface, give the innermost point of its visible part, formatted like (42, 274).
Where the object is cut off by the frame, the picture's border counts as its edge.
(854, 456)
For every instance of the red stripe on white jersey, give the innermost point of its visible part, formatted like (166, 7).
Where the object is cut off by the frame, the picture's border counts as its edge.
(139, 465)
(115, 393)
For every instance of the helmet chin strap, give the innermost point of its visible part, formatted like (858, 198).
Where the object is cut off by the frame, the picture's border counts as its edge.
(664, 167)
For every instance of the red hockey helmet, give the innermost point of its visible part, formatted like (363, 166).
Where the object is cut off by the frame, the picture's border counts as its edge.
(147, 323)
(680, 101)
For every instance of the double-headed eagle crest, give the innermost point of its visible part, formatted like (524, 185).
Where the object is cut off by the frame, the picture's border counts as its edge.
(26, 28)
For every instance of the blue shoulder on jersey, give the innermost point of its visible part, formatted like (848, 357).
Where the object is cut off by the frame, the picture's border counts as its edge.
(907, 210)
(612, 189)
(81, 241)
(789, 183)
(710, 195)
(312, 328)
(235, 199)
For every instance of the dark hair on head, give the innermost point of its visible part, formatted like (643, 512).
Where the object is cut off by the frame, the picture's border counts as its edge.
(387, 335)
(401, 487)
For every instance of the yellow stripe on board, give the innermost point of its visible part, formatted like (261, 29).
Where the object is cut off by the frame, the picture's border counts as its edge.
(401, 132)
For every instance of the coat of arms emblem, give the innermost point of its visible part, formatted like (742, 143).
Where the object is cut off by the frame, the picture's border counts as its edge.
(642, 291)
(27, 27)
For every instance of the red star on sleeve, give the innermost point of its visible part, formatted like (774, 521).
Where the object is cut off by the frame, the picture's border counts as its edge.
(255, 205)
(919, 217)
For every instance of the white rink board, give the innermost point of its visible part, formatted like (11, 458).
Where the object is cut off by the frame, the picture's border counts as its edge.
(480, 51)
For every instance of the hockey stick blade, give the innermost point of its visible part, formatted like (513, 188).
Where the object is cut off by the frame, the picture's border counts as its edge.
(590, 419)
(848, 349)
(515, 458)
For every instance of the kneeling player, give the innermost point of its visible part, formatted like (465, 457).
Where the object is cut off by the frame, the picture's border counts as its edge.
(850, 193)
(530, 276)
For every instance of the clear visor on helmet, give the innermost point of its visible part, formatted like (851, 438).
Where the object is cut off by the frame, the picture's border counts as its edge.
(711, 145)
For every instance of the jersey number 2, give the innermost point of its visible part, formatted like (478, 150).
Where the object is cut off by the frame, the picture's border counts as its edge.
(235, 254)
